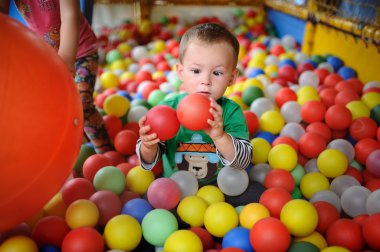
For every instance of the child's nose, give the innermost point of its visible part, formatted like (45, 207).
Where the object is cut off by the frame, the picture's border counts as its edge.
(206, 80)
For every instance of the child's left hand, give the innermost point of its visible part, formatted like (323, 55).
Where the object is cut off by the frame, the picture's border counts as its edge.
(215, 131)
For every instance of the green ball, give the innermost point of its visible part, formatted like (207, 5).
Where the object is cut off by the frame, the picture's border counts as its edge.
(375, 114)
(110, 178)
(303, 246)
(238, 12)
(251, 93)
(296, 194)
(85, 152)
(356, 165)
(164, 20)
(298, 173)
(113, 55)
(140, 102)
(155, 97)
(318, 59)
(157, 225)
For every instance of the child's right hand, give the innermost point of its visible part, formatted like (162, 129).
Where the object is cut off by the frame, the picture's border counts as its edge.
(149, 141)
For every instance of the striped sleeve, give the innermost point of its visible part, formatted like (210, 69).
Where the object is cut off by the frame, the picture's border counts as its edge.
(144, 165)
(243, 154)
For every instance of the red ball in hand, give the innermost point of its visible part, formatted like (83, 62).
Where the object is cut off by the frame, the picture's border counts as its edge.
(193, 111)
(163, 121)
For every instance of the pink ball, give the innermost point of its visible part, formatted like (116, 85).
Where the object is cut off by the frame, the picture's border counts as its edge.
(164, 193)
(109, 205)
(373, 164)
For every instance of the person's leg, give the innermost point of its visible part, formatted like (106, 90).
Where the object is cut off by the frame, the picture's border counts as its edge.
(94, 127)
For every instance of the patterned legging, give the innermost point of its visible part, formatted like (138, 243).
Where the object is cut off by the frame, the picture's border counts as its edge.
(94, 127)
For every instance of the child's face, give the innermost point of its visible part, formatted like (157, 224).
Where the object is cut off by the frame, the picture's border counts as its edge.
(207, 69)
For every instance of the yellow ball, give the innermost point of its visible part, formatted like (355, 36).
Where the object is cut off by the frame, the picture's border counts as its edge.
(335, 249)
(220, 218)
(239, 101)
(332, 163)
(253, 82)
(127, 76)
(118, 65)
(271, 70)
(145, 27)
(158, 46)
(272, 121)
(191, 210)
(307, 93)
(82, 213)
(116, 105)
(183, 241)
(314, 238)
(313, 182)
(260, 150)
(55, 206)
(138, 180)
(19, 244)
(358, 109)
(211, 194)
(300, 217)
(283, 156)
(109, 80)
(238, 87)
(371, 99)
(124, 47)
(122, 232)
(158, 74)
(242, 52)
(256, 63)
(252, 213)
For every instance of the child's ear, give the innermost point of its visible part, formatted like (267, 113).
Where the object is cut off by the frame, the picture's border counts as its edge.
(179, 70)
(234, 76)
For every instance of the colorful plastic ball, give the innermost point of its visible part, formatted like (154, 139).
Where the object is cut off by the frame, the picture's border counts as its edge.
(347, 72)
(346, 96)
(193, 112)
(280, 178)
(293, 130)
(137, 208)
(252, 122)
(311, 144)
(164, 193)
(335, 249)
(183, 241)
(19, 243)
(332, 163)
(303, 246)
(327, 96)
(313, 182)
(163, 121)
(191, 210)
(232, 181)
(28, 178)
(219, 218)
(138, 180)
(187, 182)
(113, 125)
(109, 80)
(364, 147)
(345, 147)
(338, 117)
(50, 230)
(371, 231)
(327, 214)
(363, 127)
(238, 238)
(83, 239)
(259, 172)
(252, 213)
(261, 105)
(314, 238)
(115, 157)
(125, 142)
(313, 111)
(285, 95)
(206, 238)
(211, 194)
(353, 200)
(82, 213)
(118, 228)
(327, 196)
(272, 121)
(297, 174)
(286, 140)
(266, 231)
(308, 78)
(300, 217)
(371, 99)
(158, 225)
(108, 203)
(76, 188)
(373, 202)
(291, 112)
(156, 96)
(358, 109)
(282, 156)
(85, 152)
(274, 199)
(49, 248)
(251, 93)
(110, 178)
(346, 233)
(116, 105)
(93, 164)
(372, 163)
(341, 183)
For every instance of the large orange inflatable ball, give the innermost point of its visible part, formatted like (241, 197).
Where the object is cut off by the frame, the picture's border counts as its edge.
(193, 112)
(41, 125)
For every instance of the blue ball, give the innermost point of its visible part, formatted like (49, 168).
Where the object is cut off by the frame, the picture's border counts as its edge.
(335, 62)
(347, 73)
(255, 72)
(287, 62)
(49, 248)
(269, 137)
(137, 208)
(238, 238)
(124, 94)
(311, 62)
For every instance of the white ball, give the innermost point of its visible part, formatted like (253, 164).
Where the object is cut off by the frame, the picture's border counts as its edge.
(261, 105)
(291, 111)
(308, 78)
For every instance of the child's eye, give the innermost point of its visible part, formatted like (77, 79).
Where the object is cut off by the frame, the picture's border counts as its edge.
(217, 73)
(196, 71)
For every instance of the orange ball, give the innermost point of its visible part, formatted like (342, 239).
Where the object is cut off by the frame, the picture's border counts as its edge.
(125, 142)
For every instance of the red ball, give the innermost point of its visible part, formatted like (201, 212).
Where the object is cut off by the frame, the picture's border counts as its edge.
(163, 121)
(148, 88)
(125, 142)
(83, 239)
(313, 111)
(206, 237)
(287, 73)
(304, 67)
(355, 173)
(338, 117)
(134, 126)
(364, 147)
(280, 178)
(311, 144)
(373, 184)
(231, 249)
(113, 125)
(125, 167)
(109, 205)
(327, 214)
(363, 127)
(327, 96)
(378, 134)
(277, 50)
(346, 96)
(77, 188)
(143, 76)
(284, 95)
(269, 235)
(252, 122)
(164, 193)
(50, 230)
(274, 199)
(346, 233)
(193, 111)
(332, 79)
(286, 140)
(115, 157)
(321, 129)
(93, 164)
(336, 134)
(322, 74)
(357, 85)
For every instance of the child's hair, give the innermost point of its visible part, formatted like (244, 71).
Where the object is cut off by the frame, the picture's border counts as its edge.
(210, 33)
